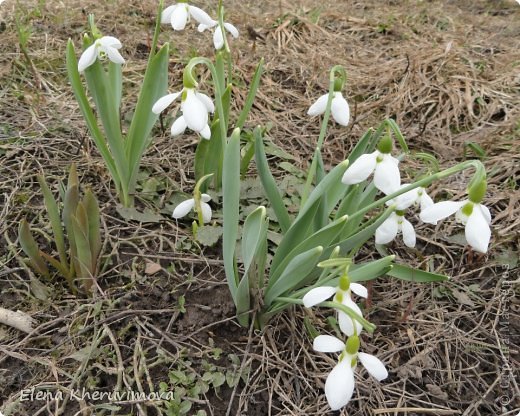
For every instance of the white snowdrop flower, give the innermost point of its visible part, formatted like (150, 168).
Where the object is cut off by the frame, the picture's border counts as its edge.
(340, 383)
(104, 47)
(185, 207)
(195, 107)
(318, 295)
(394, 224)
(339, 109)
(417, 196)
(476, 218)
(218, 38)
(179, 14)
(384, 167)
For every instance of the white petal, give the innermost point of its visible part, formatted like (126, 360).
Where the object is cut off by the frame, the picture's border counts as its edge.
(183, 208)
(231, 29)
(348, 325)
(194, 112)
(110, 41)
(328, 343)
(405, 200)
(319, 106)
(114, 55)
(340, 110)
(178, 126)
(408, 233)
(206, 212)
(425, 200)
(374, 366)
(386, 176)
(485, 212)
(202, 27)
(205, 198)
(162, 103)
(200, 16)
(387, 231)
(478, 232)
(179, 17)
(206, 132)
(440, 210)
(218, 39)
(88, 57)
(359, 290)
(318, 295)
(166, 15)
(339, 386)
(361, 169)
(207, 101)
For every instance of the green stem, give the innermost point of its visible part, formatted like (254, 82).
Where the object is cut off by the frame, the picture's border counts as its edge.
(323, 131)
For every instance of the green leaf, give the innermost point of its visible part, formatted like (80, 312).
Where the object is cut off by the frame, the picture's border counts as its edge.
(154, 86)
(231, 195)
(115, 80)
(254, 253)
(270, 186)
(250, 95)
(368, 271)
(30, 248)
(83, 253)
(324, 237)
(294, 274)
(414, 275)
(55, 220)
(94, 225)
(90, 119)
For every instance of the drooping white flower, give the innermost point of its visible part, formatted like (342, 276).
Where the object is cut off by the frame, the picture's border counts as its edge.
(195, 107)
(475, 217)
(347, 325)
(384, 166)
(339, 386)
(417, 196)
(218, 38)
(179, 14)
(339, 109)
(104, 47)
(185, 207)
(394, 224)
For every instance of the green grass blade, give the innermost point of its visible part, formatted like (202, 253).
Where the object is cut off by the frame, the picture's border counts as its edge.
(231, 197)
(323, 237)
(294, 274)
(154, 86)
(414, 275)
(90, 119)
(55, 220)
(269, 184)
(251, 95)
(30, 248)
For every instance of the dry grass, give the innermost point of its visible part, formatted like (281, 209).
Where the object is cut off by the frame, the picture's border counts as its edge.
(446, 71)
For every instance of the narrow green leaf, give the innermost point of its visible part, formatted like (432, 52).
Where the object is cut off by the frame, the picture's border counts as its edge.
(398, 135)
(94, 225)
(403, 272)
(294, 274)
(324, 237)
(254, 232)
(270, 187)
(70, 203)
(231, 195)
(368, 271)
(55, 220)
(154, 86)
(248, 155)
(251, 95)
(115, 80)
(90, 119)
(30, 248)
(84, 257)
